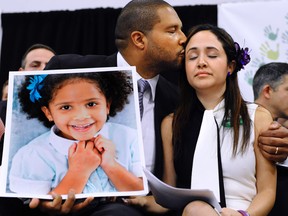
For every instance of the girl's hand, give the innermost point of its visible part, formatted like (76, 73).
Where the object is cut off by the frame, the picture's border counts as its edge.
(107, 150)
(83, 158)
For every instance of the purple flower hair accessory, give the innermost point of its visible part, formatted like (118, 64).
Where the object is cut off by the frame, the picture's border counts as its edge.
(35, 86)
(242, 56)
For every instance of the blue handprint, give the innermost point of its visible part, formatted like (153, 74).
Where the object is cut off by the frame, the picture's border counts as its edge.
(268, 52)
(257, 62)
(285, 37)
(270, 34)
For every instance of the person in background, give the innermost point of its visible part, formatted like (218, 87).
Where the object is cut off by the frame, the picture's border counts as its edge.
(270, 87)
(5, 91)
(3, 102)
(2, 130)
(36, 57)
(149, 36)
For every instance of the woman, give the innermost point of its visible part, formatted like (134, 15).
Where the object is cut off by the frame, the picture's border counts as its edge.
(214, 131)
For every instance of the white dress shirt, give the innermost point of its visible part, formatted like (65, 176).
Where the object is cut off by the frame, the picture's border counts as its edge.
(147, 123)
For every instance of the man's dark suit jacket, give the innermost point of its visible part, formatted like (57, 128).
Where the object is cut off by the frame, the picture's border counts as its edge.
(166, 97)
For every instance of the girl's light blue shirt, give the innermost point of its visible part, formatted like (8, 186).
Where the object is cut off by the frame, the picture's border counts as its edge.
(39, 166)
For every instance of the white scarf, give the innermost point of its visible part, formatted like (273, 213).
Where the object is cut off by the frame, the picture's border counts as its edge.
(205, 173)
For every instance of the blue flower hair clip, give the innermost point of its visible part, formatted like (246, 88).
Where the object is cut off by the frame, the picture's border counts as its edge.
(35, 86)
(242, 56)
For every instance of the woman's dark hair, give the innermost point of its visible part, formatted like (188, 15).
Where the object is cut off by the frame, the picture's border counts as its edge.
(116, 86)
(236, 111)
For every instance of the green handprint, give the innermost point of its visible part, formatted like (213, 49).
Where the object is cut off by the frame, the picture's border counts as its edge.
(268, 52)
(271, 35)
(249, 77)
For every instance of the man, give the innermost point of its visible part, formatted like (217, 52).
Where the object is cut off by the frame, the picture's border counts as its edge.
(270, 86)
(149, 36)
(35, 58)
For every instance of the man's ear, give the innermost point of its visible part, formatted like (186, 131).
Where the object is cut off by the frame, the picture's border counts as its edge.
(138, 39)
(47, 113)
(266, 90)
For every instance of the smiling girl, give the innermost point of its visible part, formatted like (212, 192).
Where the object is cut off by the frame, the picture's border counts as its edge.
(82, 151)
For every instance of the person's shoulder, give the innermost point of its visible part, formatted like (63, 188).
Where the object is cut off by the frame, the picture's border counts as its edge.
(39, 141)
(263, 118)
(3, 103)
(263, 112)
(70, 61)
(163, 81)
(121, 128)
(168, 120)
(35, 146)
(168, 87)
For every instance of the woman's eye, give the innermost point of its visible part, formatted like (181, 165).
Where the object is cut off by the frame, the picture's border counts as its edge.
(212, 56)
(192, 57)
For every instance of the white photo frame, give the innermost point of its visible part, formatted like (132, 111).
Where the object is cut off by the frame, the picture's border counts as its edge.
(19, 130)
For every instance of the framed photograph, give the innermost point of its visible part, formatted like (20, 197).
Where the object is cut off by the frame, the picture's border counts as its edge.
(73, 129)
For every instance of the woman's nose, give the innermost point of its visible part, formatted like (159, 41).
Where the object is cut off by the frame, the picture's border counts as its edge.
(202, 63)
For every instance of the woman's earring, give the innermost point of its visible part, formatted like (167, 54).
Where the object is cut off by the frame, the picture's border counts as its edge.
(228, 74)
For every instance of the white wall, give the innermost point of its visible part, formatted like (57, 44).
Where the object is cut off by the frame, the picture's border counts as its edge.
(11, 6)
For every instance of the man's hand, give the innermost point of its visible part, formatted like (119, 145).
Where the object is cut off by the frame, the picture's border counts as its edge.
(56, 207)
(274, 142)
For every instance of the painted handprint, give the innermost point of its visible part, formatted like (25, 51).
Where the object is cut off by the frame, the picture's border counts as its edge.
(249, 77)
(270, 34)
(268, 52)
(257, 62)
(285, 37)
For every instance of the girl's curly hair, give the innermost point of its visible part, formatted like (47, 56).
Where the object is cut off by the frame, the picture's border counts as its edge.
(116, 87)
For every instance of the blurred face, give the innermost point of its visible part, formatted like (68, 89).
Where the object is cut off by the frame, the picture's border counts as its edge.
(206, 63)
(279, 100)
(165, 49)
(79, 110)
(5, 93)
(37, 59)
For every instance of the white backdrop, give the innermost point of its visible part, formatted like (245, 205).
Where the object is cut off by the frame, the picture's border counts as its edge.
(11, 6)
(261, 26)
